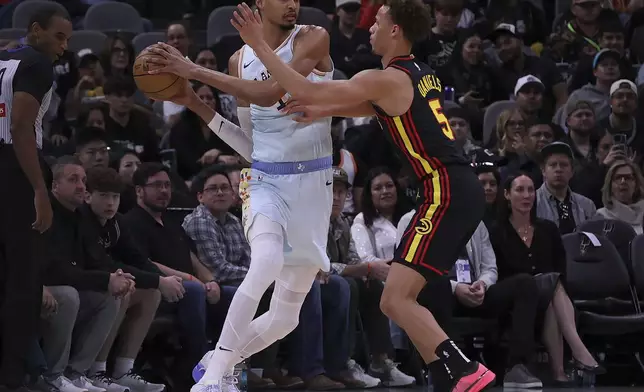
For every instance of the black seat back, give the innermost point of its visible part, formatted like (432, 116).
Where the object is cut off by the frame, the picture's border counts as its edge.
(637, 261)
(619, 233)
(594, 272)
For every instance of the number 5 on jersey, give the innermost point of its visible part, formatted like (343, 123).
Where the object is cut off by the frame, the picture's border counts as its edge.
(437, 109)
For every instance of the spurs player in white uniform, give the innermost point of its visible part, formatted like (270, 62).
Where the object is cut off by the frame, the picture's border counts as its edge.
(287, 194)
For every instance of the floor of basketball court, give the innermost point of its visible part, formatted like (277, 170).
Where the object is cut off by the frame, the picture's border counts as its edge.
(597, 389)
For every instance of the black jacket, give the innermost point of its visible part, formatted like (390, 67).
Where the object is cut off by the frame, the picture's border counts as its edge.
(73, 259)
(119, 246)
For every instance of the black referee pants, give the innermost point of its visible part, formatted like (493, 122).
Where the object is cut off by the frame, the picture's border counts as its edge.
(20, 273)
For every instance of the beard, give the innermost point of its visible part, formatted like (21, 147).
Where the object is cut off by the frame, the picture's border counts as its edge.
(154, 207)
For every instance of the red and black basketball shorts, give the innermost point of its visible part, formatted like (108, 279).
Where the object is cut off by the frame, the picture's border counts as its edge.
(450, 205)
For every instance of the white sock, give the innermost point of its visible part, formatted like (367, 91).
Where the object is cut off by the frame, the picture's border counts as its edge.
(98, 367)
(122, 366)
(221, 362)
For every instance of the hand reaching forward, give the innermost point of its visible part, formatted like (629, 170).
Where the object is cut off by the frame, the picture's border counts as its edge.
(249, 25)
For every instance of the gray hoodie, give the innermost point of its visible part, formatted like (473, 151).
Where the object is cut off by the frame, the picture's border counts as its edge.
(590, 93)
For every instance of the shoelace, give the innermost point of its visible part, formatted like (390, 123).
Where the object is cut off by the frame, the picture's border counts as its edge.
(135, 376)
(103, 377)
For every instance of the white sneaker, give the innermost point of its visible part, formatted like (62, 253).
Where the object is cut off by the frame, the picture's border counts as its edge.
(137, 383)
(358, 373)
(203, 387)
(230, 381)
(60, 384)
(102, 380)
(390, 375)
(85, 383)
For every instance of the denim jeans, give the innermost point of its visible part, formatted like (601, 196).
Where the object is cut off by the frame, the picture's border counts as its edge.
(320, 344)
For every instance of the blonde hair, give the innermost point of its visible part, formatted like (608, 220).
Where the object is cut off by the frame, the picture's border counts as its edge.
(501, 124)
(607, 197)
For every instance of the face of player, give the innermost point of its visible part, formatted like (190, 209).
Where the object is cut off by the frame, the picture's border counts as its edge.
(383, 192)
(206, 58)
(69, 188)
(521, 195)
(53, 41)
(94, 154)
(382, 31)
(217, 194)
(128, 165)
(339, 197)
(178, 38)
(281, 13)
(104, 204)
(156, 192)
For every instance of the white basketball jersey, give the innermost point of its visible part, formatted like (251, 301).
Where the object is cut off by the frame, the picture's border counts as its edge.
(276, 137)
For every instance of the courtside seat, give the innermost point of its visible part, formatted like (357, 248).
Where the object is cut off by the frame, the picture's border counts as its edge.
(595, 272)
(462, 327)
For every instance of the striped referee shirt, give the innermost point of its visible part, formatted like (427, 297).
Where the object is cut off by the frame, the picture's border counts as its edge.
(24, 69)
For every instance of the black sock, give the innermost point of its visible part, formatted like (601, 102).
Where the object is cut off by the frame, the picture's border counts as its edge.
(455, 361)
(441, 379)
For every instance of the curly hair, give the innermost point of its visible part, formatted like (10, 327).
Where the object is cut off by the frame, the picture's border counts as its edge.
(413, 16)
(104, 179)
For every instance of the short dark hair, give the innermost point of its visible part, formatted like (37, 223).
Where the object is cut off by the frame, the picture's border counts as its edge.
(104, 179)
(119, 84)
(413, 16)
(147, 170)
(59, 166)
(199, 182)
(611, 28)
(44, 14)
(87, 135)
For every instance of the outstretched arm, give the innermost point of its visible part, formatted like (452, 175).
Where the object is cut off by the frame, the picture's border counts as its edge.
(310, 50)
(308, 113)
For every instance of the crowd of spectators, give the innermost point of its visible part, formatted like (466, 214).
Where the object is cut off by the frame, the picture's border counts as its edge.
(147, 213)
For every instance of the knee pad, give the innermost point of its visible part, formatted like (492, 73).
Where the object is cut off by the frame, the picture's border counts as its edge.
(266, 262)
(284, 313)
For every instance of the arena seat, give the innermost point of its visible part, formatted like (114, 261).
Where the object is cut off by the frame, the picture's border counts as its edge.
(143, 40)
(112, 17)
(225, 47)
(87, 39)
(219, 24)
(23, 11)
(595, 272)
(314, 16)
(637, 263)
(12, 33)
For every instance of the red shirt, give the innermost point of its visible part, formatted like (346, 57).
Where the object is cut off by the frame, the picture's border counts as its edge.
(367, 14)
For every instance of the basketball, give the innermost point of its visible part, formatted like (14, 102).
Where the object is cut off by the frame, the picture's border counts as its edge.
(160, 87)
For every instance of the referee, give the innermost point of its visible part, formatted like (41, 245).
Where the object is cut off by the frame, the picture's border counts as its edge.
(26, 78)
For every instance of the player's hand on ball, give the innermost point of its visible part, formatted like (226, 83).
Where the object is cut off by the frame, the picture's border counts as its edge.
(249, 25)
(169, 60)
(302, 112)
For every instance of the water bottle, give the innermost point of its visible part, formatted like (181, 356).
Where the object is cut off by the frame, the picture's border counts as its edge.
(241, 373)
(449, 93)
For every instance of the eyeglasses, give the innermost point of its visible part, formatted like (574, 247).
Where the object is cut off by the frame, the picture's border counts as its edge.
(159, 185)
(215, 189)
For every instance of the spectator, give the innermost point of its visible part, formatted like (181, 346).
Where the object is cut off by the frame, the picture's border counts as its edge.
(516, 64)
(611, 36)
(621, 121)
(538, 136)
(606, 71)
(91, 116)
(374, 229)
(118, 56)
(126, 126)
(459, 122)
(528, 93)
(555, 201)
(524, 244)
(490, 179)
(178, 36)
(89, 87)
(127, 165)
(137, 309)
(350, 47)
(366, 284)
(437, 50)
(582, 131)
(88, 288)
(167, 245)
(356, 170)
(525, 15)
(469, 74)
(623, 195)
(511, 128)
(195, 144)
(91, 148)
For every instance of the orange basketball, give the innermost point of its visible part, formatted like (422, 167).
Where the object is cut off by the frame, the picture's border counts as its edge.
(160, 87)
